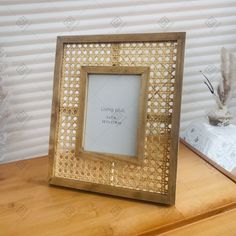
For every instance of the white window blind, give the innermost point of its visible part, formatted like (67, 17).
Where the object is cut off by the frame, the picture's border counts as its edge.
(28, 31)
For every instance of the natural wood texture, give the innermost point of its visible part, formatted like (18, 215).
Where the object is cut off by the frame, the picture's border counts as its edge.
(55, 104)
(121, 70)
(163, 53)
(222, 224)
(28, 206)
(118, 38)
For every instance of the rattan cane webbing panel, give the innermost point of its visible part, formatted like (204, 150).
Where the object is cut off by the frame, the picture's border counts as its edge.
(152, 175)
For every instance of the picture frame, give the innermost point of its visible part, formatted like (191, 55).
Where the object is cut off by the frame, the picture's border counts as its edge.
(150, 172)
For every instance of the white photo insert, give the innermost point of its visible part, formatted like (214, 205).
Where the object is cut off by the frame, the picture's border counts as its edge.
(111, 118)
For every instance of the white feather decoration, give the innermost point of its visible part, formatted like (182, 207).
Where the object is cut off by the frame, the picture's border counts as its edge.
(221, 116)
(228, 74)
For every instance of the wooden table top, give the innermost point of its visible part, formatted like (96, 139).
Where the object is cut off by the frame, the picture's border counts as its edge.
(220, 225)
(28, 206)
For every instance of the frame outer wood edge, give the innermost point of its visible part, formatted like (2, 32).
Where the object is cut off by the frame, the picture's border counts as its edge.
(171, 36)
(175, 123)
(55, 105)
(112, 190)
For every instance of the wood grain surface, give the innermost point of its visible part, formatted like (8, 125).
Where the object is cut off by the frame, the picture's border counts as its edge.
(222, 224)
(28, 206)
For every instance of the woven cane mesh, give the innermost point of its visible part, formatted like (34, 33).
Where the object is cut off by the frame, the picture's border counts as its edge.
(152, 175)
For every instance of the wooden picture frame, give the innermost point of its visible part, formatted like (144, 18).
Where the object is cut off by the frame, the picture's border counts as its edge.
(159, 59)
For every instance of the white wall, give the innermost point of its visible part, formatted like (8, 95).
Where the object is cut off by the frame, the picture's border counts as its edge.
(28, 31)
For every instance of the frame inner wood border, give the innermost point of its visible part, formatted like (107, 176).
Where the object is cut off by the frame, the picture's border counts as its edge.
(120, 70)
